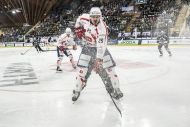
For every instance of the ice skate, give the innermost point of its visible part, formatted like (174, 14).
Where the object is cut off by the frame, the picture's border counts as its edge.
(170, 54)
(58, 69)
(82, 88)
(74, 66)
(117, 94)
(75, 96)
(161, 55)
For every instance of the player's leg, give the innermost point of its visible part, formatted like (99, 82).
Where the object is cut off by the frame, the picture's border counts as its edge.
(168, 50)
(109, 77)
(80, 81)
(69, 54)
(86, 78)
(60, 58)
(160, 48)
(39, 48)
(36, 48)
(92, 53)
(106, 80)
(117, 94)
(85, 68)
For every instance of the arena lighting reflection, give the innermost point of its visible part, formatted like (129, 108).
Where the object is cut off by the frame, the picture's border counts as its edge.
(126, 120)
(16, 10)
(104, 108)
(13, 12)
(123, 121)
(145, 122)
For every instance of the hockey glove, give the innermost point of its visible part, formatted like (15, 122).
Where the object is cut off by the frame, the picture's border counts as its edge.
(98, 65)
(79, 32)
(74, 47)
(61, 48)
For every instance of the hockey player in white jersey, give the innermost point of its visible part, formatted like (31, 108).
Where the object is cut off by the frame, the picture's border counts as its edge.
(64, 41)
(95, 55)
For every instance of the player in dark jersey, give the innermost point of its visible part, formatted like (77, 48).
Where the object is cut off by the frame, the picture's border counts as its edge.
(162, 39)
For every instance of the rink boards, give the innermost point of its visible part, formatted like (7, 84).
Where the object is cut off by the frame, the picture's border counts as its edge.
(173, 41)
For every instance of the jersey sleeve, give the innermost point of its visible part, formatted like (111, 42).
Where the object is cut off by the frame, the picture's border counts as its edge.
(78, 22)
(60, 40)
(81, 20)
(72, 41)
(166, 38)
(102, 41)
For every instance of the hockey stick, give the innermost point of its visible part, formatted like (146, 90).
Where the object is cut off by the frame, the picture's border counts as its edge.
(115, 105)
(26, 51)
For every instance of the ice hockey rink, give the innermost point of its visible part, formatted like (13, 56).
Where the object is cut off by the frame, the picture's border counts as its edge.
(156, 90)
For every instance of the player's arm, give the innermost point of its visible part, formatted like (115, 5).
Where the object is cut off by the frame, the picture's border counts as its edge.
(102, 42)
(79, 29)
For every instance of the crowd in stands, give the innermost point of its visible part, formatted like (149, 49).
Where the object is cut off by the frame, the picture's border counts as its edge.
(115, 19)
(66, 16)
(155, 16)
(188, 21)
(158, 15)
(11, 34)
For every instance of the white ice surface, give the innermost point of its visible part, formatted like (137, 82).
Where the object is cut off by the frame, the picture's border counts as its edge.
(156, 90)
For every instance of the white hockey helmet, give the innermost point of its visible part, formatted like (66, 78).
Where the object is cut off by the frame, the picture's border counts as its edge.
(68, 30)
(95, 11)
(162, 32)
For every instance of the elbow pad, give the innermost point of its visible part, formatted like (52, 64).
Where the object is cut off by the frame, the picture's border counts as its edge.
(79, 32)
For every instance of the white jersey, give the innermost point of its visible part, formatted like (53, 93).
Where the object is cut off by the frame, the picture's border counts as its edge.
(44, 40)
(96, 36)
(65, 40)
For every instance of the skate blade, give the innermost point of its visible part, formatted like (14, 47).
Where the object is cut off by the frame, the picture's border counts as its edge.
(59, 71)
(75, 68)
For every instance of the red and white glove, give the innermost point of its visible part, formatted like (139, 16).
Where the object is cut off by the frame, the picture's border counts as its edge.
(79, 32)
(61, 48)
(98, 65)
(74, 47)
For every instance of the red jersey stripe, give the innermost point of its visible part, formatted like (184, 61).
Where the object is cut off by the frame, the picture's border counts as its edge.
(84, 19)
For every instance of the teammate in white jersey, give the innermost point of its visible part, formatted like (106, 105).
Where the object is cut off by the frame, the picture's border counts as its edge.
(95, 55)
(64, 41)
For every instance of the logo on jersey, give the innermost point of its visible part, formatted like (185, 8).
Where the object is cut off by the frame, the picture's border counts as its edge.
(100, 40)
(81, 71)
